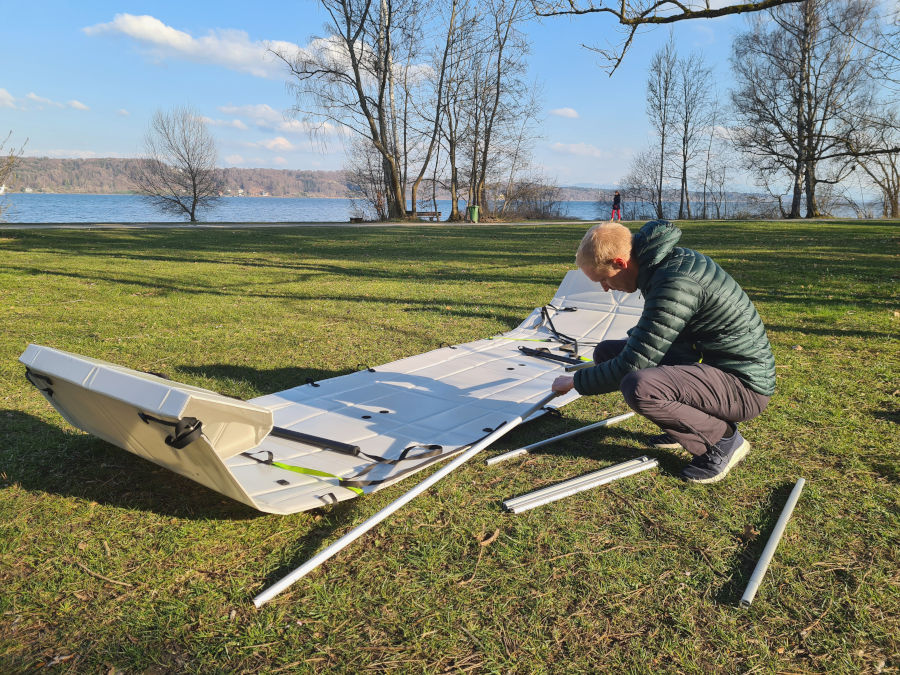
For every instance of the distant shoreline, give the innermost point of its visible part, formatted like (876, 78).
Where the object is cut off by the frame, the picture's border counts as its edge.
(134, 194)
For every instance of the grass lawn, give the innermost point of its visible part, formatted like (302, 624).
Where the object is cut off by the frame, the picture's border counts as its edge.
(109, 563)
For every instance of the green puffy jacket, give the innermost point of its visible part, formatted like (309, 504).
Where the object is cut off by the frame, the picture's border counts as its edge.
(693, 310)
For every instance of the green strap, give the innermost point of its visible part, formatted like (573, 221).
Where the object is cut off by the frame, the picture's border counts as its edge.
(304, 471)
(314, 472)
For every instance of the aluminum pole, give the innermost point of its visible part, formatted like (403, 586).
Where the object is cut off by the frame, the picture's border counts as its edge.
(575, 432)
(550, 489)
(576, 485)
(364, 527)
(760, 570)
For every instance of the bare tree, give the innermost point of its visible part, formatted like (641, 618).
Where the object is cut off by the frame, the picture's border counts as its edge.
(718, 189)
(636, 13)
(8, 162)
(456, 100)
(532, 196)
(501, 98)
(711, 161)
(661, 85)
(433, 134)
(366, 184)
(640, 184)
(348, 78)
(488, 111)
(693, 113)
(803, 87)
(179, 173)
(883, 169)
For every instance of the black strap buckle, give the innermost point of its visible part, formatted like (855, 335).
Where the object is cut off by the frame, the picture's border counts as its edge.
(31, 376)
(187, 430)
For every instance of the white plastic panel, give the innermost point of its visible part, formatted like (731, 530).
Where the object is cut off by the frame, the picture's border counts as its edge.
(450, 397)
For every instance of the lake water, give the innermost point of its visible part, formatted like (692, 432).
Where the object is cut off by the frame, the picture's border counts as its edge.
(79, 208)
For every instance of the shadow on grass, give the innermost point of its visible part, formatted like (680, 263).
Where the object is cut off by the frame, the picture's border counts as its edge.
(742, 568)
(42, 457)
(774, 328)
(269, 381)
(610, 445)
(332, 518)
(506, 312)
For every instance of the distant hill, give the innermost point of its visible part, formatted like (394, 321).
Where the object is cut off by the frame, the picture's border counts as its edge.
(116, 176)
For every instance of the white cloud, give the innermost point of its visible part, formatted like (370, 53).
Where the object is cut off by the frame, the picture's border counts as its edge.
(279, 144)
(230, 48)
(266, 117)
(121, 112)
(77, 105)
(31, 96)
(7, 100)
(234, 159)
(62, 153)
(281, 161)
(581, 150)
(570, 113)
(235, 124)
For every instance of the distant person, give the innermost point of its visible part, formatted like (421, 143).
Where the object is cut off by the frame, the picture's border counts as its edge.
(617, 207)
(697, 362)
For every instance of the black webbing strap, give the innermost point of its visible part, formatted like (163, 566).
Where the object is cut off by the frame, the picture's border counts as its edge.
(434, 453)
(353, 450)
(317, 441)
(544, 353)
(547, 320)
(31, 376)
(354, 481)
(187, 430)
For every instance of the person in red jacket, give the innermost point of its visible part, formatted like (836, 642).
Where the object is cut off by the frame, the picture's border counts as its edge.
(617, 207)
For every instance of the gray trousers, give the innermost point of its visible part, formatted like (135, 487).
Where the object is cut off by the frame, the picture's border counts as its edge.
(693, 403)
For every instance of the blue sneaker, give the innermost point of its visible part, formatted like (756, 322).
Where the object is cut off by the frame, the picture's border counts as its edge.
(718, 460)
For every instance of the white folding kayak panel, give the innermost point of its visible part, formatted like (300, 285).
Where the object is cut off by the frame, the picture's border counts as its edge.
(331, 440)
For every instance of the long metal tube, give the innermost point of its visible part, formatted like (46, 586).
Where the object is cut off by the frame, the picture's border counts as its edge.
(364, 527)
(760, 570)
(524, 450)
(576, 485)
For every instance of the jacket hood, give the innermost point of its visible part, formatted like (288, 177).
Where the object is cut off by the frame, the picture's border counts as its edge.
(653, 242)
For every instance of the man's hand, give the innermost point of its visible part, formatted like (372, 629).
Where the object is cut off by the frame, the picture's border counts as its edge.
(563, 384)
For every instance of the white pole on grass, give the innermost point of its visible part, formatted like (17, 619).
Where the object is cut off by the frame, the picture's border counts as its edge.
(364, 527)
(760, 570)
(525, 450)
(580, 484)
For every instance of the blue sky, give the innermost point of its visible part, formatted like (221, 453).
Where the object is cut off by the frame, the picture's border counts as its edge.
(84, 79)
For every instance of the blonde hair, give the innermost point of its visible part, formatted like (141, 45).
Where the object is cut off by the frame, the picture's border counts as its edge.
(601, 245)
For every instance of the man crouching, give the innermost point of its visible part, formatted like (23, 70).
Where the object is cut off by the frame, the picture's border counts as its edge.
(698, 361)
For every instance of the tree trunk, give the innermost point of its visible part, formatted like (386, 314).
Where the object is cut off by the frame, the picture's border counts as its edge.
(812, 207)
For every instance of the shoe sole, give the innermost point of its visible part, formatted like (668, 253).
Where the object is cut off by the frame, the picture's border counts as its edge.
(738, 455)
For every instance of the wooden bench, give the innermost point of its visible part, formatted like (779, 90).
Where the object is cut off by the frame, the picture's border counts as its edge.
(431, 215)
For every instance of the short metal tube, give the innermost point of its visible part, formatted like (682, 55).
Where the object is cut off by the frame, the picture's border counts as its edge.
(760, 570)
(568, 434)
(580, 484)
(555, 487)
